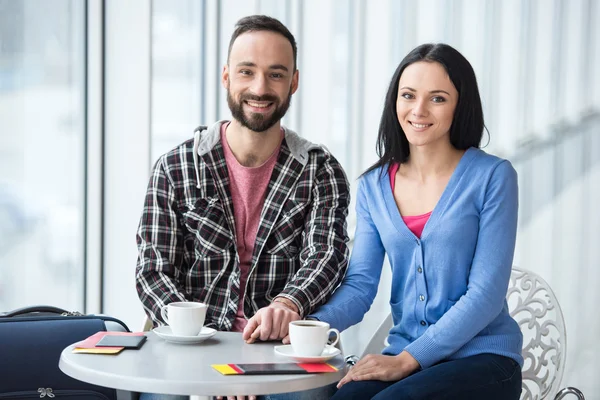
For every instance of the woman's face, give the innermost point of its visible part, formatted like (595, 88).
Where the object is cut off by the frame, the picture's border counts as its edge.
(425, 104)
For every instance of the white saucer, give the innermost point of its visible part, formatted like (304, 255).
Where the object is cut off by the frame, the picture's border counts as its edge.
(164, 332)
(287, 351)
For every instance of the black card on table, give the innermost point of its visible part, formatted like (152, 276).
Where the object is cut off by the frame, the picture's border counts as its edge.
(129, 342)
(271, 369)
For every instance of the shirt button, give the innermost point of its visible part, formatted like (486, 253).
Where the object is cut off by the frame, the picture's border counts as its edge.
(420, 270)
(423, 323)
(422, 298)
(418, 242)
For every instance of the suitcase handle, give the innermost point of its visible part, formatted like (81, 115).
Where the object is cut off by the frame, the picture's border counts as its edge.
(34, 309)
(48, 312)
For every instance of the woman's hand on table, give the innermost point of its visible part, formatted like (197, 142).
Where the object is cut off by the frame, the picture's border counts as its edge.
(381, 368)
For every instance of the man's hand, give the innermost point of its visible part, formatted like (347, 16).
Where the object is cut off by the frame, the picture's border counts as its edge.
(271, 323)
(381, 368)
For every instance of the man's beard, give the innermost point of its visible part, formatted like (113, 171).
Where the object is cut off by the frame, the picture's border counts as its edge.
(258, 122)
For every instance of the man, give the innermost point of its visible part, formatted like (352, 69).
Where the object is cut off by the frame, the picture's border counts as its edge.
(248, 217)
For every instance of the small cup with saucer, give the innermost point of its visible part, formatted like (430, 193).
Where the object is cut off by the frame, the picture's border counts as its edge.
(309, 342)
(328, 353)
(185, 321)
(164, 332)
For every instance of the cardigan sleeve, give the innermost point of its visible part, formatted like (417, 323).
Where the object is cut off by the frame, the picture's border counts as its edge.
(354, 297)
(488, 277)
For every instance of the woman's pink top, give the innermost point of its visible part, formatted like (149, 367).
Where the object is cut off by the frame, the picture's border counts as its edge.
(415, 223)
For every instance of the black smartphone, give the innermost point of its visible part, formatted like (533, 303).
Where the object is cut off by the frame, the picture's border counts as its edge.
(129, 341)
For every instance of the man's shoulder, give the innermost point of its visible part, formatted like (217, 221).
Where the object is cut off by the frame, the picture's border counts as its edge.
(310, 153)
(321, 160)
(177, 154)
(203, 138)
(186, 146)
(301, 148)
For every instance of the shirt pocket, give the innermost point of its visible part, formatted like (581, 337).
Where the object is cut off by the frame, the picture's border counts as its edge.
(206, 223)
(285, 239)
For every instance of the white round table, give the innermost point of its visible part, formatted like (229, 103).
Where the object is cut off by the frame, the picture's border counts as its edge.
(163, 367)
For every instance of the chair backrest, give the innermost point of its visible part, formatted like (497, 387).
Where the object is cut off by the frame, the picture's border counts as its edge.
(147, 324)
(379, 339)
(535, 308)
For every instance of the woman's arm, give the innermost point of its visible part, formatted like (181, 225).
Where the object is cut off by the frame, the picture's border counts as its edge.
(354, 297)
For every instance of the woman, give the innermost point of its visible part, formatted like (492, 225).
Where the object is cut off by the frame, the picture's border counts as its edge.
(445, 213)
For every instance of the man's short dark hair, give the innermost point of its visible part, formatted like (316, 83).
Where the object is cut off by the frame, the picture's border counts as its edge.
(257, 23)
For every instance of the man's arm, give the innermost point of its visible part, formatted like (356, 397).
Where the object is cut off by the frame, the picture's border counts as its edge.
(159, 241)
(324, 258)
(324, 254)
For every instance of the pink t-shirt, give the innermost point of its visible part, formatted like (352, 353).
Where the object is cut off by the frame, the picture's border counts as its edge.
(415, 223)
(248, 192)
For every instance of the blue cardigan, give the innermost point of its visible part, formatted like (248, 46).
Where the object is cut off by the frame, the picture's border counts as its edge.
(448, 287)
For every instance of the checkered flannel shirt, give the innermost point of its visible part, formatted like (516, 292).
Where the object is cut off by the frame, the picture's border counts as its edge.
(186, 236)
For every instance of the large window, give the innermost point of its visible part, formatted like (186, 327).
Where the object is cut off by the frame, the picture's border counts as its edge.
(189, 48)
(42, 158)
(177, 81)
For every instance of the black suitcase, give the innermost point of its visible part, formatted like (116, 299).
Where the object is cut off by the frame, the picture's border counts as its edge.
(31, 340)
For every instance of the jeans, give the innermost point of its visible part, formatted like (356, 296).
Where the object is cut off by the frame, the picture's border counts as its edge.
(483, 376)
(322, 393)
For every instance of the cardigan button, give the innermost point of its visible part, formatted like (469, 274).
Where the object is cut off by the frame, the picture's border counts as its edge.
(423, 323)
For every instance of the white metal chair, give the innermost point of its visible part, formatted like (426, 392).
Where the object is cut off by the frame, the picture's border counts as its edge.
(537, 311)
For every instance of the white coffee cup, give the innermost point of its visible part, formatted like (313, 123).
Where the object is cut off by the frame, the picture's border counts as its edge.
(309, 338)
(186, 318)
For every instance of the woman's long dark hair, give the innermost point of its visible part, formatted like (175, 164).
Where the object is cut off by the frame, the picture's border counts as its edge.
(467, 124)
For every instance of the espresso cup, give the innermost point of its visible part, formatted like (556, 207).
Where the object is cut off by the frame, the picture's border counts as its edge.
(309, 338)
(186, 318)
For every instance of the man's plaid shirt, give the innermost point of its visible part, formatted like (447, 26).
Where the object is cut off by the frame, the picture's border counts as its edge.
(186, 236)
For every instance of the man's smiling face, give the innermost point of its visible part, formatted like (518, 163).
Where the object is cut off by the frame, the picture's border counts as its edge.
(260, 79)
